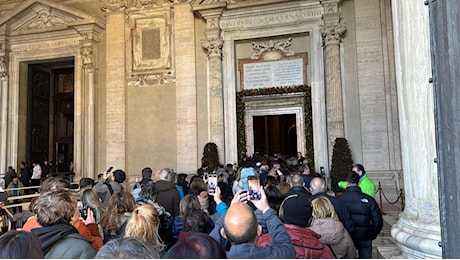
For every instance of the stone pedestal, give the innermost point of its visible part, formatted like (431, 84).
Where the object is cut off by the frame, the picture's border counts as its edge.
(417, 232)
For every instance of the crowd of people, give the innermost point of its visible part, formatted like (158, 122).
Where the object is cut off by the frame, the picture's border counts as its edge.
(289, 214)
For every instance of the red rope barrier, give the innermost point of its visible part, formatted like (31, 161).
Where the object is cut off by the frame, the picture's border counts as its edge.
(400, 196)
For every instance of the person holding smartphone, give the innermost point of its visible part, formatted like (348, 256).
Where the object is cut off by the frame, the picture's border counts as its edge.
(111, 184)
(239, 226)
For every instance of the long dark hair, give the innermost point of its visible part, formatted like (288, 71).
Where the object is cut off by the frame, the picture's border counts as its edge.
(20, 245)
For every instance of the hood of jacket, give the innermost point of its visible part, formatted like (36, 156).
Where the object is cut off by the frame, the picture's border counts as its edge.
(163, 185)
(331, 230)
(50, 235)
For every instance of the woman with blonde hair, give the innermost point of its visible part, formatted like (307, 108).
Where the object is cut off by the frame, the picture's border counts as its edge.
(144, 224)
(327, 224)
(117, 213)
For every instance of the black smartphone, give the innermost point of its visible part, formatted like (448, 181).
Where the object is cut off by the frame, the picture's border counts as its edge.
(254, 188)
(109, 169)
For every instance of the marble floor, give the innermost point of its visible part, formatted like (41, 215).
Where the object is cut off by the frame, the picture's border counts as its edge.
(384, 245)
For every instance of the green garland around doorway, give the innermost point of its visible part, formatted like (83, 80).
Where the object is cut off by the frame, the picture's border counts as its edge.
(240, 109)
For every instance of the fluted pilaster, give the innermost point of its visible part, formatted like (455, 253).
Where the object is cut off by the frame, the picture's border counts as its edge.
(4, 107)
(213, 45)
(332, 32)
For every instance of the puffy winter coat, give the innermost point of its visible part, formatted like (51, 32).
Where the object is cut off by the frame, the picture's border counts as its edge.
(306, 243)
(365, 213)
(334, 234)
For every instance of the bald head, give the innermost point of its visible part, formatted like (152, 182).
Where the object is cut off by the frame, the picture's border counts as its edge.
(317, 185)
(240, 225)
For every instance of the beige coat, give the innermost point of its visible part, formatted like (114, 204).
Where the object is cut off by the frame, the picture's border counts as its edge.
(334, 234)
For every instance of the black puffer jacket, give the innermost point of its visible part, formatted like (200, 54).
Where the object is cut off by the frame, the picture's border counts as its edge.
(364, 212)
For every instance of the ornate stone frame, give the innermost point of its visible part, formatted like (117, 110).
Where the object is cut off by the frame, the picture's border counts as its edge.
(159, 68)
(64, 33)
(284, 104)
(274, 20)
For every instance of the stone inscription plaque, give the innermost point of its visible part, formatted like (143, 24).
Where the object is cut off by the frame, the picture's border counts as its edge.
(288, 71)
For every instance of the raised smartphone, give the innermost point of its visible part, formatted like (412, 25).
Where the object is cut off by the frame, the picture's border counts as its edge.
(212, 183)
(254, 188)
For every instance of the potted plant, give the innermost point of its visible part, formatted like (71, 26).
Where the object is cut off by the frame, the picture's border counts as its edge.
(341, 164)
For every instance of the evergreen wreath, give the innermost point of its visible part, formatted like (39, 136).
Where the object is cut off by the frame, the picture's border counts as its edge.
(240, 110)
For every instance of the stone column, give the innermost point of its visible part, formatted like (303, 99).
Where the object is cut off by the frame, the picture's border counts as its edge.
(4, 106)
(115, 84)
(332, 32)
(417, 232)
(213, 44)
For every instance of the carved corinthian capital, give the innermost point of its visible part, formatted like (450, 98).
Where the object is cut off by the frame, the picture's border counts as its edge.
(87, 57)
(213, 46)
(332, 33)
(113, 5)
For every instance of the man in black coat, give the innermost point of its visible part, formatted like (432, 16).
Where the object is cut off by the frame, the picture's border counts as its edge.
(318, 188)
(303, 199)
(365, 213)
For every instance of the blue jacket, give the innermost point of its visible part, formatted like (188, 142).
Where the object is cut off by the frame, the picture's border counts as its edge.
(281, 242)
(365, 213)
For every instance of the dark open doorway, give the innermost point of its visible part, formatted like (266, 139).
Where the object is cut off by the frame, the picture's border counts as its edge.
(275, 134)
(50, 112)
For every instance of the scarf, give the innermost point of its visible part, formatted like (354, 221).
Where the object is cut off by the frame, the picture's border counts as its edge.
(50, 235)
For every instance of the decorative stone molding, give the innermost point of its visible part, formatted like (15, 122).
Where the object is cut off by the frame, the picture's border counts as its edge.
(151, 80)
(110, 6)
(149, 66)
(42, 17)
(152, 3)
(55, 44)
(3, 66)
(213, 47)
(270, 18)
(45, 18)
(272, 50)
(331, 6)
(332, 33)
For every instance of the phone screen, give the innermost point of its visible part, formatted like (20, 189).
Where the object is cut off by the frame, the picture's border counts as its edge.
(212, 183)
(254, 188)
(82, 210)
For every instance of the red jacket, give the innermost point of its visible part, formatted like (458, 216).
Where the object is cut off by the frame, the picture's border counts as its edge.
(306, 243)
